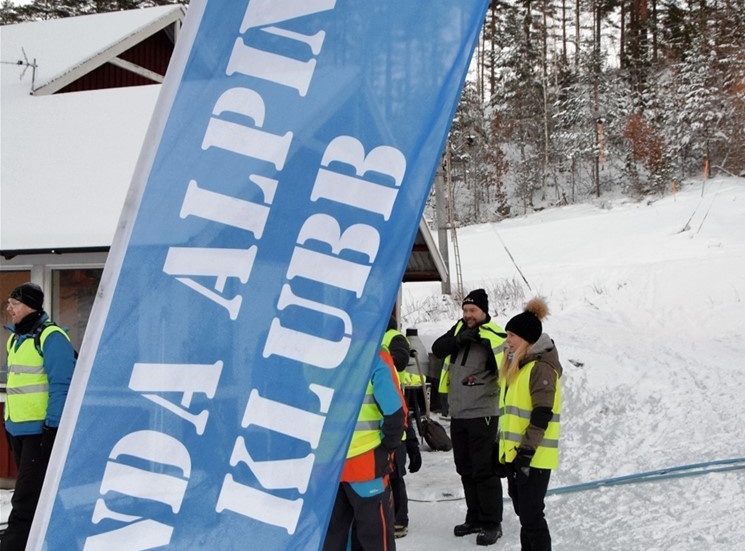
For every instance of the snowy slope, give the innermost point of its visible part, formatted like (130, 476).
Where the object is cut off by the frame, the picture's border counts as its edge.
(647, 314)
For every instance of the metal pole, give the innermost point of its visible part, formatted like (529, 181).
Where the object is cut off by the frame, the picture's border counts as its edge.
(442, 225)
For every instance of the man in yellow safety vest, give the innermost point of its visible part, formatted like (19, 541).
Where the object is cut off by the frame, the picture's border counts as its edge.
(472, 351)
(40, 365)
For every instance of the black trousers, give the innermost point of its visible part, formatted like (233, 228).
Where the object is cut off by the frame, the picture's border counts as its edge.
(371, 517)
(473, 441)
(398, 487)
(32, 461)
(528, 501)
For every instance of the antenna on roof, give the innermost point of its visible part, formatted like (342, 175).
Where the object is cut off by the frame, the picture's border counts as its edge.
(26, 64)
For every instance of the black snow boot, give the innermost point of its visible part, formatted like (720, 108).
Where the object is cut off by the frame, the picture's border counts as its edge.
(489, 534)
(466, 528)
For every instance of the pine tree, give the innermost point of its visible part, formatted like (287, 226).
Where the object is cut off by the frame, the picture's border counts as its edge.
(516, 106)
(37, 10)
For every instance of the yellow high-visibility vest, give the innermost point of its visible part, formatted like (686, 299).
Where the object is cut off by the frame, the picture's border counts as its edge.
(388, 336)
(486, 331)
(403, 378)
(366, 434)
(515, 406)
(28, 386)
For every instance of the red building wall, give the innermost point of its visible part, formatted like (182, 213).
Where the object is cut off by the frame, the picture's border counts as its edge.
(7, 465)
(153, 53)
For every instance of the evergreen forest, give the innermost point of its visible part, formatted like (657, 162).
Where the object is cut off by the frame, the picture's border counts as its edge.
(572, 100)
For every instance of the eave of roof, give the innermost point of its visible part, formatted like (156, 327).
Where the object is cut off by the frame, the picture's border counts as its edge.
(61, 50)
(110, 52)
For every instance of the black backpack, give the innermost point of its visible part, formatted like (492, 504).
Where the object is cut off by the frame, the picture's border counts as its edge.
(37, 337)
(435, 435)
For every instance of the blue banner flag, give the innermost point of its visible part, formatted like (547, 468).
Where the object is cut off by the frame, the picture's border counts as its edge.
(258, 257)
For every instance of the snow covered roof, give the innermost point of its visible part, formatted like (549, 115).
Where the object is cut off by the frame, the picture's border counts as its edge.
(66, 160)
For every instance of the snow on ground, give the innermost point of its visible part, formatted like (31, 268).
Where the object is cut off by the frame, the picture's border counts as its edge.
(5, 496)
(647, 314)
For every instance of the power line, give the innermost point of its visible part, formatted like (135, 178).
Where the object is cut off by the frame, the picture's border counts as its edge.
(514, 262)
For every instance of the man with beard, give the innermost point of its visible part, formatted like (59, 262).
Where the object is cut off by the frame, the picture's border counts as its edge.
(472, 351)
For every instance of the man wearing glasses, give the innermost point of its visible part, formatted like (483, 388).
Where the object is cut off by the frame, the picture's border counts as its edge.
(40, 365)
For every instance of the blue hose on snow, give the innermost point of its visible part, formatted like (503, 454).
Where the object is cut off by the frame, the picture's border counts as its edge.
(682, 471)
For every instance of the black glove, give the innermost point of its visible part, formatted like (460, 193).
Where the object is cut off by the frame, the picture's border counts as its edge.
(521, 465)
(467, 336)
(499, 469)
(415, 456)
(384, 461)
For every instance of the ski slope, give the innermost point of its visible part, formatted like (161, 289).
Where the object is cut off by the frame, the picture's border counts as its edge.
(647, 314)
(649, 320)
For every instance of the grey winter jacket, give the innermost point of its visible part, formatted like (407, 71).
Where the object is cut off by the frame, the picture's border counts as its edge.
(474, 389)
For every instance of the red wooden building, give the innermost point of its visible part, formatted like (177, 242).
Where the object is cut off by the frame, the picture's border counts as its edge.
(74, 108)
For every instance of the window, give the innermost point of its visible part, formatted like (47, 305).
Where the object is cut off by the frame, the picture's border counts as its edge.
(8, 281)
(74, 291)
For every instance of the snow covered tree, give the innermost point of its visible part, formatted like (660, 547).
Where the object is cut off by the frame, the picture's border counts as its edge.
(574, 135)
(730, 46)
(516, 107)
(55, 9)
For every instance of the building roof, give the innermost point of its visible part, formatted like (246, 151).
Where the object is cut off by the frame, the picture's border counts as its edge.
(67, 157)
(425, 262)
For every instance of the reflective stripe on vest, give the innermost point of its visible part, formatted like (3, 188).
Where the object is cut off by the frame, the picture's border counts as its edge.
(367, 431)
(28, 386)
(516, 407)
(498, 345)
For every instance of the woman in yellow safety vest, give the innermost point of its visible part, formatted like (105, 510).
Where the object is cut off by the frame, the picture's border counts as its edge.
(530, 404)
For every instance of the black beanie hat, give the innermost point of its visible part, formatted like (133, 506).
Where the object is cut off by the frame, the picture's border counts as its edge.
(528, 324)
(29, 294)
(479, 298)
